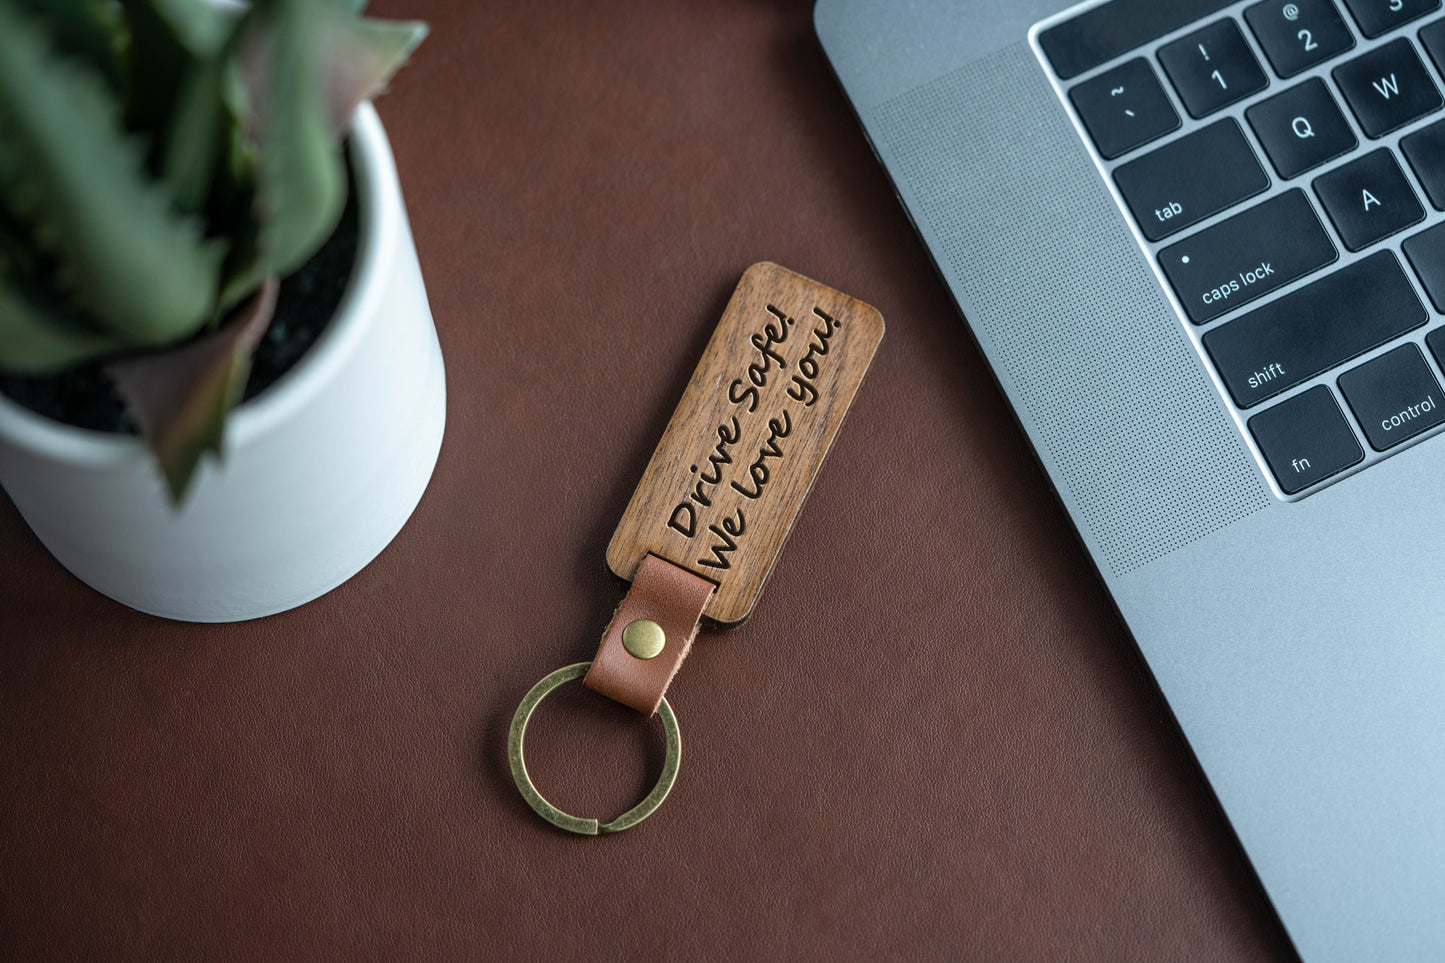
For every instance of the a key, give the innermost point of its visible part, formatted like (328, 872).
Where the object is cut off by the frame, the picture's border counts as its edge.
(1320, 326)
(1379, 17)
(1186, 181)
(1426, 254)
(1425, 150)
(1296, 36)
(1387, 88)
(1305, 440)
(1301, 128)
(1247, 256)
(1395, 397)
(1124, 108)
(1369, 199)
(1212, 68)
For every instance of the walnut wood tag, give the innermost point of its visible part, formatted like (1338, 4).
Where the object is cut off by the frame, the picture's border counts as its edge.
(738, 458)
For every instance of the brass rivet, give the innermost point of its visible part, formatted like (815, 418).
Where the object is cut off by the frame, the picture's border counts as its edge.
(643, 639)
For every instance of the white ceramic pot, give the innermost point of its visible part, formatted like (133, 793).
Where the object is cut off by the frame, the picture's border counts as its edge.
(320, 472)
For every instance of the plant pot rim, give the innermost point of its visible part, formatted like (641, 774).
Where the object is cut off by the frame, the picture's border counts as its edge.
(373, 173)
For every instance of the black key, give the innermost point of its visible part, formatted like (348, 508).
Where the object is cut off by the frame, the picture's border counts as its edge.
(1306, 440)
(1387, 88)
(1296, 36)
(1186, 181)
(1124, 107)
(1425, 150)
(1369, 199)
(1426, 252)
(1212, 68)
(1435, 341)
(1324, 324)
(1395, 397)
(1377, 17)
(1301, 128)
(1247, 256)
(1433, 37)
(1110, 30)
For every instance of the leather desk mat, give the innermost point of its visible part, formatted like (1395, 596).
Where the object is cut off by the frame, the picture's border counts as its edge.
(932, 740)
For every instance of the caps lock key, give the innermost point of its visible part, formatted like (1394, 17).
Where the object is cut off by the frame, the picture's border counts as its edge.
(1247, 256)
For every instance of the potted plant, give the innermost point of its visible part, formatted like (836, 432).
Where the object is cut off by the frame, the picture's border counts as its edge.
(171, 184)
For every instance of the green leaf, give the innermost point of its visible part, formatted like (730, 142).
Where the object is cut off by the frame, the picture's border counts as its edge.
(70, 174)
(85, 29)
(300, 179)
(196, 135)
(180, 398)
(361, 58)
(33, 338)
(167, 39)
(15, 253)
(306, 64)
(201, 28)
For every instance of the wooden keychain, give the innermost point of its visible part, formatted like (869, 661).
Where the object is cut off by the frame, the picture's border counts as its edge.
(718, 499)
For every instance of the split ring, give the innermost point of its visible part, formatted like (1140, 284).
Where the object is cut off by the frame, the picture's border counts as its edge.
(577, 824)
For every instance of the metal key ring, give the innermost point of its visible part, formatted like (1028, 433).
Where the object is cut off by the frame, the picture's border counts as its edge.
(555, 816)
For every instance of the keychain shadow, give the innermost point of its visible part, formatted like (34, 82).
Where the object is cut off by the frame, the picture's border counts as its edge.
(644, 443)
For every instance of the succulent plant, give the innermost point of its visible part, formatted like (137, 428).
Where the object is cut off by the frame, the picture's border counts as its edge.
(162, 164)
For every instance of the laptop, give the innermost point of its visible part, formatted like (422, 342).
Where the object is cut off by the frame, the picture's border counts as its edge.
(1202, 245)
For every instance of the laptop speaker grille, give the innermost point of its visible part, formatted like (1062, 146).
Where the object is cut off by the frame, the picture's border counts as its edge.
(1116, 400)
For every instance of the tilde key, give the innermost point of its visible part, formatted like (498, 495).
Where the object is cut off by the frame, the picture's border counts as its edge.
(718, 498)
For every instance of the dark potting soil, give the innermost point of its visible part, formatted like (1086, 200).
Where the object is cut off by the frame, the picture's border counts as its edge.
(84, 396)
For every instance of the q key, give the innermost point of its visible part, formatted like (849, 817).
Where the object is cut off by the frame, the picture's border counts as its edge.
(1301, 128)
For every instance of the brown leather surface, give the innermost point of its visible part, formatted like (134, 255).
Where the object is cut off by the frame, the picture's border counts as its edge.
(672, 597)
(932, 740)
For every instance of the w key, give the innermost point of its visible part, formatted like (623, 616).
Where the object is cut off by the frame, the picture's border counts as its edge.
(1387, 88)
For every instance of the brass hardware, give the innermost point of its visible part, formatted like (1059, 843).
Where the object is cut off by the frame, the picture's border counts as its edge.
(643, 639)
(576, 824)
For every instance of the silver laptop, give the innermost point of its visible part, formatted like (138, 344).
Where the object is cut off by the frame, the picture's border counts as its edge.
(1202, 245)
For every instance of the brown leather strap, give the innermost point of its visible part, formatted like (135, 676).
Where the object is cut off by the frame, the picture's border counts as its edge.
(672, 597)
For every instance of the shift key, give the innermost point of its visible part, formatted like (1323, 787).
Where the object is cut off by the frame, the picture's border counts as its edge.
(1190, 179)
(1323, 324)
(1247, 256)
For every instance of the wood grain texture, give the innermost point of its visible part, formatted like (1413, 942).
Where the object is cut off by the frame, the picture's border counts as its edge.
(755, 422)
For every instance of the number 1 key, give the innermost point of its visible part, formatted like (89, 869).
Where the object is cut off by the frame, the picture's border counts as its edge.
(1212, 68)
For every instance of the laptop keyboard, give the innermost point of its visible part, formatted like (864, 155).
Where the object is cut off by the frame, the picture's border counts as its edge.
(1284, 165)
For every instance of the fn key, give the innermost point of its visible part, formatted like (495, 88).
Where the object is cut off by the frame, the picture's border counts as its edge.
(1305, 440)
